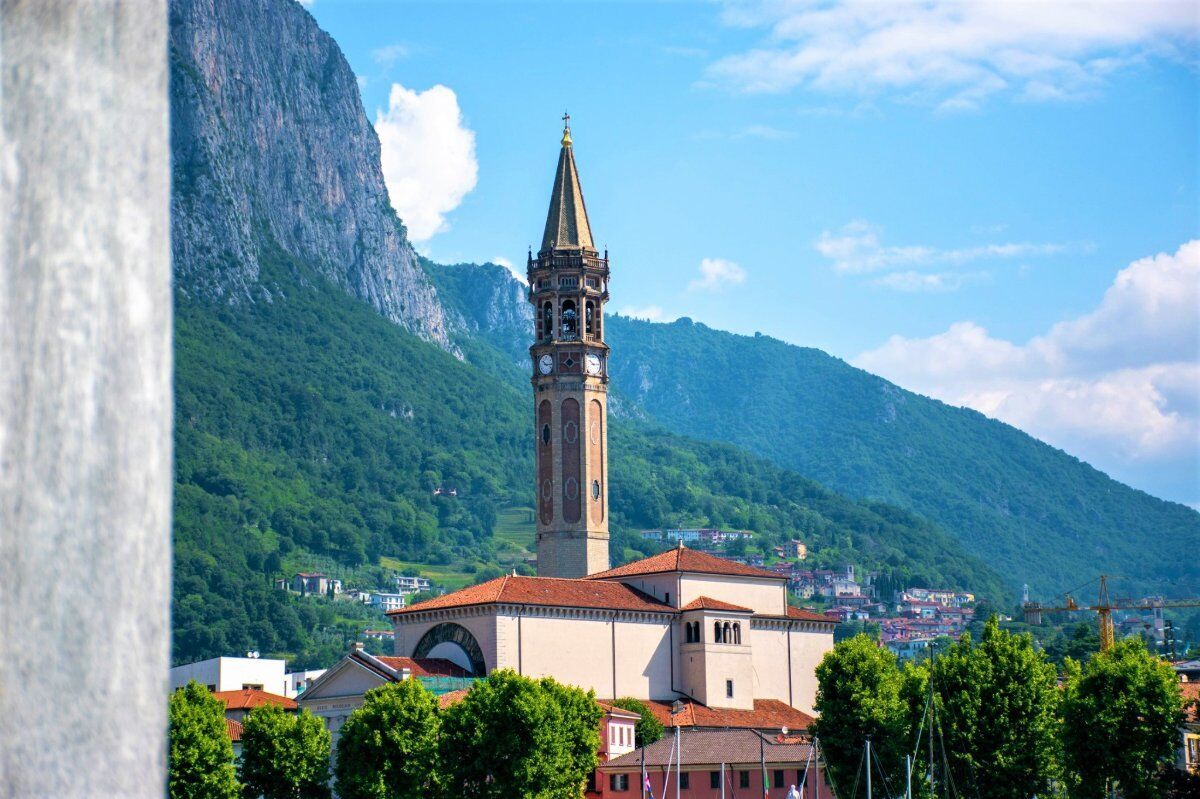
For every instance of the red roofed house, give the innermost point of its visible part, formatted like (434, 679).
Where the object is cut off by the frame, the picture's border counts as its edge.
(239, 703)
(714, 763)
(339, 691)
(1189, 743)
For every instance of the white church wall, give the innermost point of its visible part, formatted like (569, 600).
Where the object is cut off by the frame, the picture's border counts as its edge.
(807, 650)
(762, 595)
(664, 587)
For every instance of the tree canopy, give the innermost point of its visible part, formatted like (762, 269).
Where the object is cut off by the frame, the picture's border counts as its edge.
(530, 738)
(200, 760)
(388, 748)
(997, 703)
(284, 755)
(859, 695)
(1121, 714)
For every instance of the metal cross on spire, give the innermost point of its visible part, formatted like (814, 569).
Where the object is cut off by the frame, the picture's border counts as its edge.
(566, 137)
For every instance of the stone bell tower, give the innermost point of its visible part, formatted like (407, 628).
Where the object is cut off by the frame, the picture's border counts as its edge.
(568, 286)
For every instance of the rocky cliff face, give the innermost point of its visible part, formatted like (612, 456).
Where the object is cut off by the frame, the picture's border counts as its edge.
(485, 300)
(274, 153)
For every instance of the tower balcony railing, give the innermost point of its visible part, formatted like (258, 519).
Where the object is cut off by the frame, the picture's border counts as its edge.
(569, 260)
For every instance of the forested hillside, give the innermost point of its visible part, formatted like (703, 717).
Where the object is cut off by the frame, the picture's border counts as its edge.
(312, 429)
(1035, 513)
(328, 381)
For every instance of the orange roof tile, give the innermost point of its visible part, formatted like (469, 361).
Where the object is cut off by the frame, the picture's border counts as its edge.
(425, 667)
(233, 729)
(708, 603)
(806, 615)
(682, 559)
(451, 698)
(767, 714)
(549, 591)
(1191, 700)
(610, 708)
(248, 698)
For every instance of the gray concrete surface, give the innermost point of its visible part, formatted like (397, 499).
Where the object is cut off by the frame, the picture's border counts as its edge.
(85, 398)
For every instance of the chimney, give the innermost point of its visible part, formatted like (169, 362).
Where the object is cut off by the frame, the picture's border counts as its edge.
(357, 646)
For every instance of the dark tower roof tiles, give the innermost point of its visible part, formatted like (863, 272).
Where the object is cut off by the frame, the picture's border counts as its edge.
(567, 225)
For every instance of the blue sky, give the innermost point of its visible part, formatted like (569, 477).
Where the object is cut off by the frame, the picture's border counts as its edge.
(989, 203)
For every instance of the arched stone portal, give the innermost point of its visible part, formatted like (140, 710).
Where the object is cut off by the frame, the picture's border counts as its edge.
(454, 643)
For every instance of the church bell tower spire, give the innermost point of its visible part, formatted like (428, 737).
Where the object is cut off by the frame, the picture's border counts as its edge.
(568, 286)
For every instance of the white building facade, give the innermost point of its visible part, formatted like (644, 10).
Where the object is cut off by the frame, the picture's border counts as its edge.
(682, 624)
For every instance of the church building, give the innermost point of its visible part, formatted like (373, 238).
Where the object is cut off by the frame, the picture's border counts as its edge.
(682, 624)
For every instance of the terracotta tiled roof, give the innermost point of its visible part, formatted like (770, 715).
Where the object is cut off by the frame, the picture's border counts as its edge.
(708, 603)
(248, 698)
(713, 747)
(425, 667)
(618, 711)
(233, 729)
(767, 714)
(550, 591)
(682, 559)
(807, 615)
(1191, 698)
(451, 698)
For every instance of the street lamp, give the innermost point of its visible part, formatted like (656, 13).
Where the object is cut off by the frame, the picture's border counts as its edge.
(677, 707)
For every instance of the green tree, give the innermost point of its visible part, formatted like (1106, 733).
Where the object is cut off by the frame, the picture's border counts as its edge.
(859, 694)
(997, 705)
(649, 729)
(284, 755)
(529, 738)
(388, 748)
(1121, 713)
(200, 760)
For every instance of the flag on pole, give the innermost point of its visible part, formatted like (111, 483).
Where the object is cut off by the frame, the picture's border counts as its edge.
(647, 788)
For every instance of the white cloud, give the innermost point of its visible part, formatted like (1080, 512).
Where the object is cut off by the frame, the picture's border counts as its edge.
(717, 272)
(500, 260)
(933, 282)
(389, 54)
(428, 157)
(857, 249)
(953, 54)
(1116, 385)
(651, 313)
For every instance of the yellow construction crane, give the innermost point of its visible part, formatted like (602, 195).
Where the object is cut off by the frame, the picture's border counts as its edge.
(1104, 608)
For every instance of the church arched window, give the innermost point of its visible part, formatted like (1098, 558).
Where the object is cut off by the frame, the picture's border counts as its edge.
(726, 637)
(737, 633)
(570, 320)
(589, 313)
(547, 320)
(716, 632)
(688, 636)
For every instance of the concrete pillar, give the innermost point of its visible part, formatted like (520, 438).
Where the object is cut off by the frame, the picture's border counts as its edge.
(85, 398)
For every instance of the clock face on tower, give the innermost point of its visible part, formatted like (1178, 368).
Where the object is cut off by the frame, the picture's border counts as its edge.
(546, 364)
(593, 363)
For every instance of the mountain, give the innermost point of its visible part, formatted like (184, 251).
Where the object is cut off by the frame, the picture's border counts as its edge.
(1033, 512)
(271, 148)
(329, 381)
